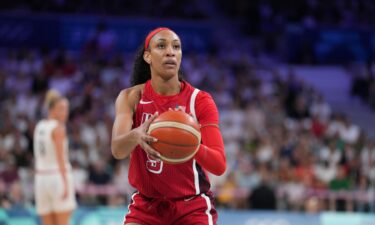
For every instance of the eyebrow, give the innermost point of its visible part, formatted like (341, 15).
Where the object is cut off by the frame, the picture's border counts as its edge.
(163, 39)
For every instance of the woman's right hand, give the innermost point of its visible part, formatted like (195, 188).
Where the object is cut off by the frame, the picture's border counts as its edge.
(144, 140)
(66, 190)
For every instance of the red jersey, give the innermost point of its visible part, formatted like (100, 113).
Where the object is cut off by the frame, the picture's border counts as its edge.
(154, 178)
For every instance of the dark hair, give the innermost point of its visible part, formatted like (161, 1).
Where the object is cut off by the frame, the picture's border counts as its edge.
(141, 69)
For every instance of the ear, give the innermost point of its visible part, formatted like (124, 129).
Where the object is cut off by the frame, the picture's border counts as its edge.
(147, 56)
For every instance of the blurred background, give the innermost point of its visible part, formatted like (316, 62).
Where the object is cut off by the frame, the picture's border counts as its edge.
(293, 81)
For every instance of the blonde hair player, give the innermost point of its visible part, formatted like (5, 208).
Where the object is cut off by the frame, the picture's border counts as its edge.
(54, 190)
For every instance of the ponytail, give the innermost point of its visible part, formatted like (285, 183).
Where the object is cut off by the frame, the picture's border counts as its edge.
(141, 69)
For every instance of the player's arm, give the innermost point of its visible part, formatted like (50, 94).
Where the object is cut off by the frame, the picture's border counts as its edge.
(124, 138)
(211, 155)
(58, 137)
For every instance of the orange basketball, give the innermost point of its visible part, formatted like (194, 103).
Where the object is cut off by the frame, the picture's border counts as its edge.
(178, 136)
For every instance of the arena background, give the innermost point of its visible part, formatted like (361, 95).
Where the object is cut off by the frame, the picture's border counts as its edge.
(293, 80)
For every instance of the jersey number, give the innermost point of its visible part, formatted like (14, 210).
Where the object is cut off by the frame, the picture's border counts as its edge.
(154, 165)
(42, 148)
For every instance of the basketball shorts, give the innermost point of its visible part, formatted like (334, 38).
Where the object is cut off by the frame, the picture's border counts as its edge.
(49, 189)
(197, 210)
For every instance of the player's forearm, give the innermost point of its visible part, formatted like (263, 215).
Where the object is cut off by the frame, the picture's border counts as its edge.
(211, 159)
(211, 153)
(62, 170)
(61, 161)
(58, 138)
(123, 145)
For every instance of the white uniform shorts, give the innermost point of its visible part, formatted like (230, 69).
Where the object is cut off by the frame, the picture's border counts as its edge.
(49, 189)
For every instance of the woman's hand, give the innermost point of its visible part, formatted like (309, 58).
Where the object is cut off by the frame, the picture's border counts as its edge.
(144, 140)
(180, 108)
(66, 190)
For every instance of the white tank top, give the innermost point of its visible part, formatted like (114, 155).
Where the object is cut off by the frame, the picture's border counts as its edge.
(44, 147)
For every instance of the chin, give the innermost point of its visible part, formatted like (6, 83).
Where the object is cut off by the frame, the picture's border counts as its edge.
(169, 75)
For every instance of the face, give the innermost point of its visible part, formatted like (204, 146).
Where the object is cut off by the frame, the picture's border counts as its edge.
(164, 54)
(61, 110)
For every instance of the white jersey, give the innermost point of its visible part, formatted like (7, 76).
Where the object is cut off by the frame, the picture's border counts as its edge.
(44, 148)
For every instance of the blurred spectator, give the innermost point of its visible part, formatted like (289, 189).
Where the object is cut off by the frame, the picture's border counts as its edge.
(338, 185)
(263, 196)
(9, 174)
(312, 205)
(349, 132)
(99, 177)
(16, 197)
(325, 172)
(98, 174)
(320, 109)
(102, 42)
(330, 154)
(227, 194)
(80, 177)
(265, 151)
(120, 178)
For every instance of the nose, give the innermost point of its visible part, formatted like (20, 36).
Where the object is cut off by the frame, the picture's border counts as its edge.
(170, 51)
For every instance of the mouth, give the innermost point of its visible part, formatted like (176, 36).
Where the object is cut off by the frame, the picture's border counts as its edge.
(170, 63)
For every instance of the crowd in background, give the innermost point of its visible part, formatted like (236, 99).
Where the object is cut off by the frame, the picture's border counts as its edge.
(270, 24)
(267, 15)
(363, 84)
(286, 148)
(187, 9)
(260, 15)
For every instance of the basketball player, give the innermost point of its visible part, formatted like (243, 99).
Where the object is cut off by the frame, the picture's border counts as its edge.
(54, 191)
(166, 194)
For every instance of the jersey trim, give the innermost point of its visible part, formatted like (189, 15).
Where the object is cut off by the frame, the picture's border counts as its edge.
(208, 210)
(196, 178)
(132, 203)
(192, 111)
(52, 171)
(192, 102)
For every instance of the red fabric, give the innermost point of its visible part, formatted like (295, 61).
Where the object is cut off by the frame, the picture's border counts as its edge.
(157, 179)
(152, 33)
(211, 154)
(318, 128)
(151, 211)
(212, 158)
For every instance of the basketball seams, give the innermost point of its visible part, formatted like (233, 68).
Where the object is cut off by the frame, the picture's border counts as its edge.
(177, 125)
(178, 145)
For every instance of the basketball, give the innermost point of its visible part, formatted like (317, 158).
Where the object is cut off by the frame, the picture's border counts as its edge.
(178, 136)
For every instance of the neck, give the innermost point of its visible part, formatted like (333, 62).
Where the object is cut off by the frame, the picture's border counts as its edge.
(52, 117)
(166, 87)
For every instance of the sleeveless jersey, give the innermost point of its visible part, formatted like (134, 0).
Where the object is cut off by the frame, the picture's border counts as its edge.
(44, 147)
(154, 178)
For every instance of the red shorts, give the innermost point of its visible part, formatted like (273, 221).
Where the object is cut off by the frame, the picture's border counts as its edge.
(198, 210)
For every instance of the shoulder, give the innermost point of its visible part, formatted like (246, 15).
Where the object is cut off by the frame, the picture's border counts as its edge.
(203, 97)
(132, 92)
(59, 130)
(206, 110)
(130, 96)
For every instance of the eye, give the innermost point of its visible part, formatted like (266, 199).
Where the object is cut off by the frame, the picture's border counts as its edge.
(177, 46)
(161, 45)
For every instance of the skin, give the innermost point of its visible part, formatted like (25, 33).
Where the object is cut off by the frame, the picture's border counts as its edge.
(164, 57)
(59, 111)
